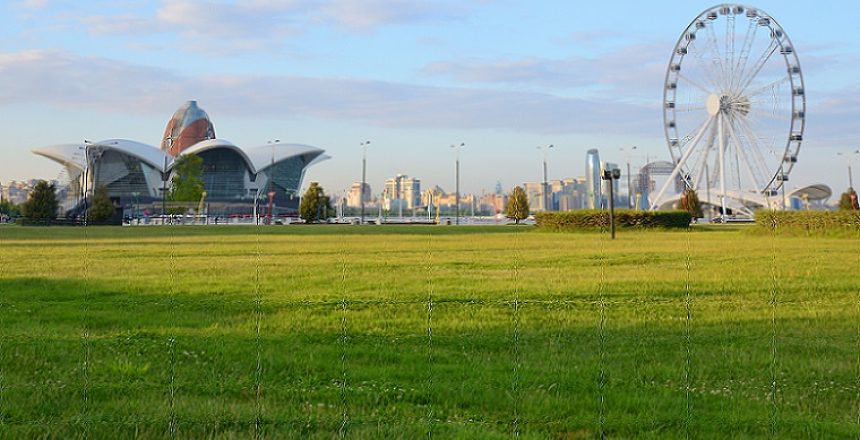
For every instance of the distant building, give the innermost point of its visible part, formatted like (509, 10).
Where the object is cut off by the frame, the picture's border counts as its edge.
(436, 191)
(18, 191)
(535, 193)
(492, 203)
(592, 178)
(353, 197)
(401, 191)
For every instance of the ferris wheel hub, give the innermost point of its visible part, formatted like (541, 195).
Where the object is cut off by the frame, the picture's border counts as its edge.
(714, 104)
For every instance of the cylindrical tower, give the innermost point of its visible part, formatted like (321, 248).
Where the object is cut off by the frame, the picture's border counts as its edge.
(592, 179)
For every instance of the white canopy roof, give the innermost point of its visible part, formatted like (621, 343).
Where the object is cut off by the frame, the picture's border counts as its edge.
(257, 158)
(74, 155)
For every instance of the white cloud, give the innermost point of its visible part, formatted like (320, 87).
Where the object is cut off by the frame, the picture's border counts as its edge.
(34, 4)
(634, 71)
(64, 80)
(369, 14)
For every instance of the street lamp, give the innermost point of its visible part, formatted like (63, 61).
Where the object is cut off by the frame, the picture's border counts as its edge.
(545, 151)
(609, 176)
(164, 177)
(850, 157)
(630, 199)
(457, 186)
(363, 177)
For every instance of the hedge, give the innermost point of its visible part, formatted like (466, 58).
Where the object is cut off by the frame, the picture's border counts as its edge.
(598, 219)
(808, 222)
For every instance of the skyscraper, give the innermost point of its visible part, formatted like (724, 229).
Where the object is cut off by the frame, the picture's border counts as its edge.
(592, 179)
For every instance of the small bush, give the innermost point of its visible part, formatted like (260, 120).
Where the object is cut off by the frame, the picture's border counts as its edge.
(596, 219)
(809, 222)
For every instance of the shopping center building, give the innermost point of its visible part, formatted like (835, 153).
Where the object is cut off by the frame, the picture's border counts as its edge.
(138, 176)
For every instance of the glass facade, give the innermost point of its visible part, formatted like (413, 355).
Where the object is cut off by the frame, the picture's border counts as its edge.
(224, 174)
(284, 178)
(124, 175)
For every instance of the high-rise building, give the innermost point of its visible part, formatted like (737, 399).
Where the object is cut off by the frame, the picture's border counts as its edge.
(592, 179)
(353, 197)
(534, 192)
(401, 190)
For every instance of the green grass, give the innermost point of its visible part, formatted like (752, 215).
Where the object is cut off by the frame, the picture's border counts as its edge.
(314, 332)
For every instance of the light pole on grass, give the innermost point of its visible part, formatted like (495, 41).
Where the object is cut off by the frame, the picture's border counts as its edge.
(545, 151)
(630, 199)
(457, 185)
(850, 157)
(363, 146)
(610, 176)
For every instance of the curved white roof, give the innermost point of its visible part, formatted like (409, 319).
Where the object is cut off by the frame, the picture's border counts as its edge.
(263, 155)
(70, 155)
(74, 155)
(818, 191)
(211, 144)
(145, 152)
(257, 158)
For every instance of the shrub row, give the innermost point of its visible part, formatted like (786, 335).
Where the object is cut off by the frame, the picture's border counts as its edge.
(598, 219)
(809, 222)
(24, 221)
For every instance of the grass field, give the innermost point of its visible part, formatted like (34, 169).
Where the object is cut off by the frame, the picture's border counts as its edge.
(397, 332)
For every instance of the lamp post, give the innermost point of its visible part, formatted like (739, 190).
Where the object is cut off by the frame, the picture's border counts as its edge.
(609, 176)
(545, 151)
(850, 157)
(457, 185)
(630, 200)
(363, 177)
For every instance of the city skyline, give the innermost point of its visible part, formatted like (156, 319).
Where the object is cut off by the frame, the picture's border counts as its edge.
(412, 77)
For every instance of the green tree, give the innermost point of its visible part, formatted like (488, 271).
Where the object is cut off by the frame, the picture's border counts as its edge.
(42, 204)
(518, 205)
(848, 201)
(315, 205)
(102, 209)
(8, 208)
(690, 202)
(187, 182)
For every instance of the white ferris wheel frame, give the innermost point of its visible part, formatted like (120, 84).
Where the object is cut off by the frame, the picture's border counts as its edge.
(731, 72)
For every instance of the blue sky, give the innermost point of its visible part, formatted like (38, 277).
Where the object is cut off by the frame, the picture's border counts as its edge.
(413, 77)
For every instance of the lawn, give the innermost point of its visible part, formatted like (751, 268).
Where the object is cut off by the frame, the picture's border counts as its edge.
(397, 332)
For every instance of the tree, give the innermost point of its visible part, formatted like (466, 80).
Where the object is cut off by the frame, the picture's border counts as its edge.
(690, 202)
(187, 182)
(315, 205)
(848, 201)
(518, 205)
(102, 209)
(42, 204)
(9, 209)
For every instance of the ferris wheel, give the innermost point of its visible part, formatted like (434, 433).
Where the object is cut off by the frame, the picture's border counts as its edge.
(734, 109)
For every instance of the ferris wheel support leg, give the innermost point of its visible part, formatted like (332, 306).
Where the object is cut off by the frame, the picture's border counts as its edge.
(703, 161)
(681, 163)
(739, 151)
(722, 152)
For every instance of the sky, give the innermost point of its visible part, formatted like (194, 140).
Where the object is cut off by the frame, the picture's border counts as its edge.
(411, 77)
